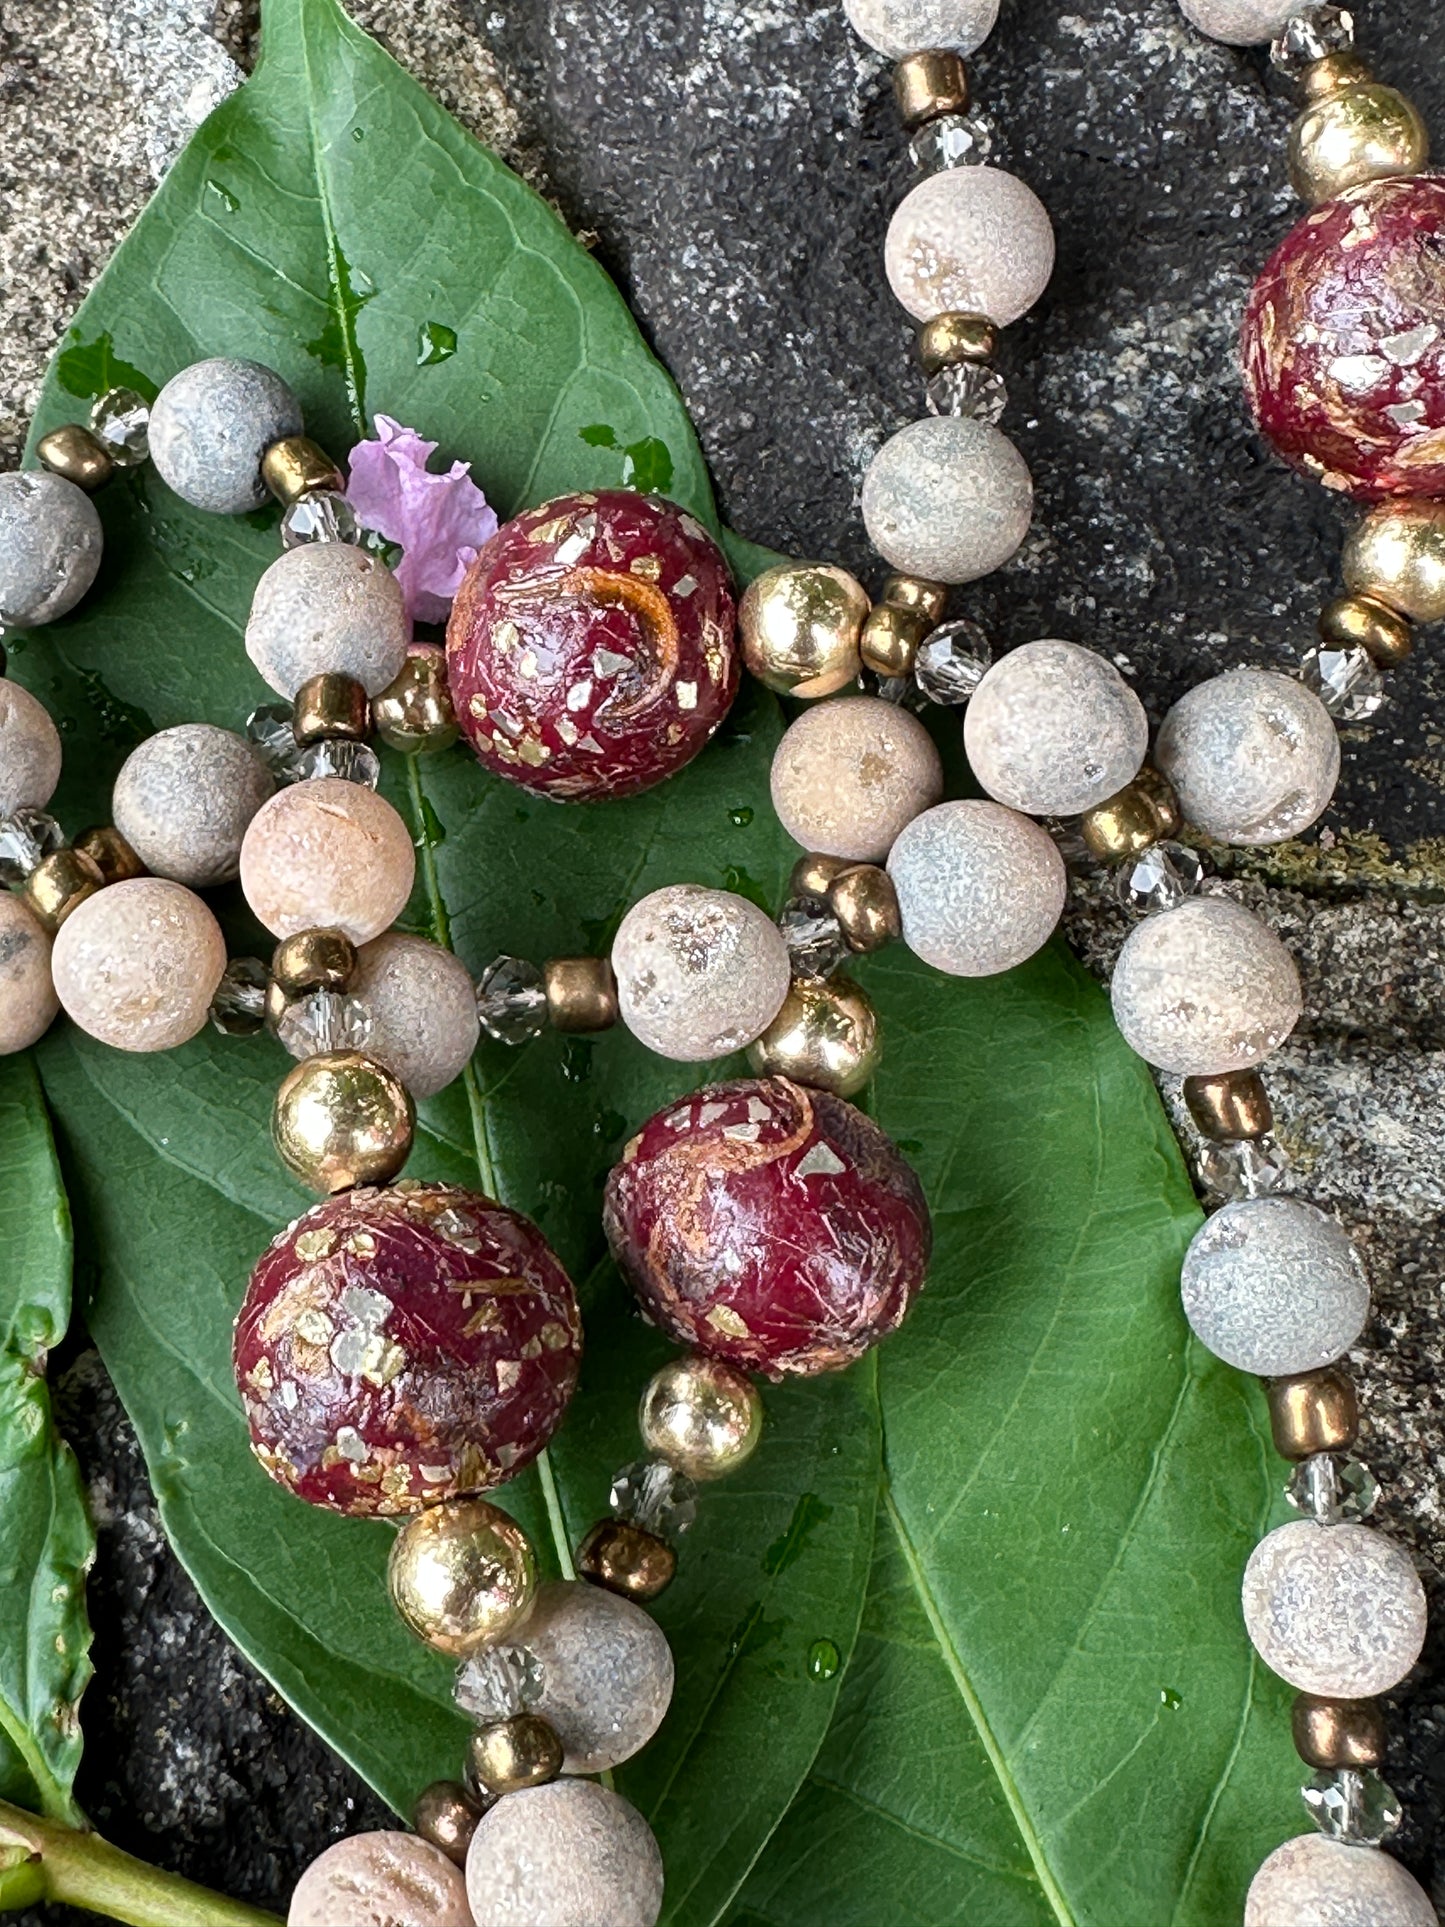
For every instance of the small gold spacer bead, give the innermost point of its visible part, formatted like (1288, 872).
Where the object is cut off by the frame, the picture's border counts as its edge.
(1313, 1412)
(1122, 825)
(1396, 554)
(329, 706)
(1364, 622)
(414, 714)
(931, 83)
(825, 1036)
(581, 993)
(313, 960)
(865, 903)
(82, 458)
(446, 1815)
(891, 638)
(297, 466)
(462, 1576)
(623, 1558)
(109, 851)
(1327, 76)
(916, 592)
(1162, 794)
(812, 875)
(702, 1415)
(513, 1754)
(953, 337)
(1329, 1734)
(1360, 133)
(1230, 1106)
(60, 883)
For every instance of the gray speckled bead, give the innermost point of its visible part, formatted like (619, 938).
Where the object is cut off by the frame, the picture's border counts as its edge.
(50, 546)
(699, 972)
(980, 888)
(1242, 23)
(28, 1003)
(566, 1855)
(1315, 1882)
(899, 27)
(947, 498)
(969, 240)
(1271, 1285)
(850, 773)
(606, 1672)
(1205, 988)
(1054, 729)
(423, 1010)
(1255, 756)
(210, 426)
(328, 609)
(29, 750)
(137, 964)
(183, 801)
(380, 1880)
(1336, 1610)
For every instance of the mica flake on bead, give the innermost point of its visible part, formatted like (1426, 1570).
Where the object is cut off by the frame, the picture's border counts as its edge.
(1336, 1610)
(1314, 1880)
(1274, 1286)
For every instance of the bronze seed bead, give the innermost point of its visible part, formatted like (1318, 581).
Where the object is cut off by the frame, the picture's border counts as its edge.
(59, 884)
(296, 466)
(1362, 622)
(1230, 1106)
(953, 337)
(826, 1037)
(446, 1815)
(916, 592)
(813, 874)
(625, 1559)
(581, 993)
(513, 1755)
(1123, 825)
(928, 84)
(891, 638)
(109, 851)
(1163, 797)
(76, 454)
(866, 905)
(1313, 1412)
(329, 706)
(1338, 1733)
(414, 714)
(313, 960)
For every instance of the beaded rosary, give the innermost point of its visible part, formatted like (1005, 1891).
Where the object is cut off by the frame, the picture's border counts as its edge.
(405, 1347)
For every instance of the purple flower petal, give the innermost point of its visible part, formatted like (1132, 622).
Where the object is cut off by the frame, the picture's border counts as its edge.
(440, 520)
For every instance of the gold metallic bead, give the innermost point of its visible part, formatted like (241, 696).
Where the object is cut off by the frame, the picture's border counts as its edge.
(1229, 1106)
(513, 1754)
(414, 714)
(1313, 1412)
(581, 993)
(890, 639)
(1397, 555)
(701, 1415)
(446, 1816)
(340, 1119)
(825, 1036)
(313, 960)
(108, 849)
(1327, 76)
(296, 467)
(461, 1574)
(623, 1558)
(1163, 797)
(953, 337)
(1329, 1734)
(916, 592)
(59, 884)
(1135, 818)
(1360, 622)
(865, 903)
(1362, 133)
(329, 706)
(929, 84)
(799, 625)
(812, 874)
(76, 454)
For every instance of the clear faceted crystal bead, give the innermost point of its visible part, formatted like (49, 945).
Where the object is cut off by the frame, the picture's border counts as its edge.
(814, 937)
(1310, 35)
(952, 662)
(512, 1001)
(269, 730)
(121, 419)
(1346, 681)
(971, 389)
(322, 516)
(323, 1020)
(339, 756)
(1352, 1805)
(498, 1683)
(903, 691)
(1330, 1490)
(26, 839)
(953, 140)
(654, 1495)
(1160, 879)
(1249, 1168)
(238, 1008)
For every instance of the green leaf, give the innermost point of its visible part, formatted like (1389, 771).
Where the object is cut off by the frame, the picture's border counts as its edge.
(46, 1546)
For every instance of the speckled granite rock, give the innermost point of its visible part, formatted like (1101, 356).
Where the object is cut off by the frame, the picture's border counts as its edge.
(737, 161)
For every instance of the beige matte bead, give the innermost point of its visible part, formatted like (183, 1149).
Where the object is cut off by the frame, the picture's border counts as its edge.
(699, 972)
(1053, 729)
(607, 1672)
(980, 888)
(566, 1855)
(28, 1003)
(380, 1880)
(849, 775)
(1242, 23)
(1315, 1882)
(183, 800)
(971, 240)
(423, 1010)
(1334, 1610)
(29, 750)
(138, 963)
(327, 854)
(947, 498)
(328, 609)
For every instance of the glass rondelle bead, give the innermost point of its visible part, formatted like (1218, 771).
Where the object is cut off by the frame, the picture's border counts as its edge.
(339, 756)
(952, 140)
(324, 1020)
(814, 939)
(27, 837)
(1328, 1489)
(238, 1008)
(1243, 1167)
(1310, 35)
(1352, 1805)
(952, 663)
(512, 1000)
(498, 1683)
(968, 388)
(323, 515)
(268, 730)
(120, 420)
(1159, 879)
(1347, 681)
(654, 1495)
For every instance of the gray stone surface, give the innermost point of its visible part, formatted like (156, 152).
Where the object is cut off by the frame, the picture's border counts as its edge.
(737, 161)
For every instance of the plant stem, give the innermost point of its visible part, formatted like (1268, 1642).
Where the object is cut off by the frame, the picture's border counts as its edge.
(83, 1870)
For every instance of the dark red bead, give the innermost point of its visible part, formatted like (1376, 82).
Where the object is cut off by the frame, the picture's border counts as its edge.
(1344, 341)
(590, 650)
(772, 1226)
(402, 1346)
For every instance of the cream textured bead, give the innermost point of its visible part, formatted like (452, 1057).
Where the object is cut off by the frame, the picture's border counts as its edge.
(1242, 23)
(969, 240)
(947, 498)
(327, 855)
(29, 750)
(1255, 756)
(183, 801)
(1054, 729)
(980, 888)
(900, 27)
(28, 1003)
(566, 1855)
(327, 608)
(700, 973)
(380, 1880)
(1273, 1286)
(1315, 1882)
(606, 1672)
(210, 427)
(1204, 989)
(848, 775)
(1336, 1610)
(423, 1010)
(137, 964)
(50, 546)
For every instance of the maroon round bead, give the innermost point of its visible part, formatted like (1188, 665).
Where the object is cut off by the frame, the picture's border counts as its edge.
(590, 648)
(1344, 341)
(772, 1226)
(403, 1346)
